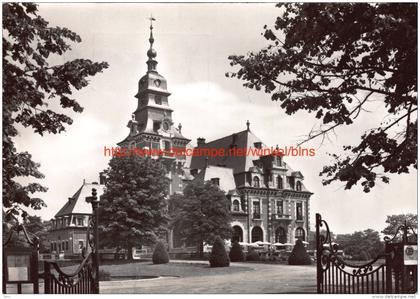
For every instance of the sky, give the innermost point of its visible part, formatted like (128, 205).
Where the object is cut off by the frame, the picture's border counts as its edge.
(193, 42)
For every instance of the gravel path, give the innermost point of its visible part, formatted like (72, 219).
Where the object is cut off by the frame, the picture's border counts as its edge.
(253, 279)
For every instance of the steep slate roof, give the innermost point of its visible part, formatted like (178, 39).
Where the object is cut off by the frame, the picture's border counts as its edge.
(77, 203)
(244, 140)
(225, 175)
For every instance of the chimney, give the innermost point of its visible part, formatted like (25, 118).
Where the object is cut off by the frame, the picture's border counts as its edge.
(200, 141)
(234, 136)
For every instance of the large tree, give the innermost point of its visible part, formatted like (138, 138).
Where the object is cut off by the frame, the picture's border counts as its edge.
(31, 86)
(332, 59)
(395, 221)
(133, 207)
(201, 214)
(361, 245)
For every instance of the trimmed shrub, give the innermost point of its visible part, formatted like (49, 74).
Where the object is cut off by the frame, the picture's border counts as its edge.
(218, 256)
(236, 254)
(299, 256)
(253, 256)
(160, 256)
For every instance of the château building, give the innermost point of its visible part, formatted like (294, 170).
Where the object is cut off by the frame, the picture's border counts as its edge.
(268, 199)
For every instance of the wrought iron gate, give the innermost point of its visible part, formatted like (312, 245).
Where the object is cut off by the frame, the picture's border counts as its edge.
(84, 280)
(386, 274)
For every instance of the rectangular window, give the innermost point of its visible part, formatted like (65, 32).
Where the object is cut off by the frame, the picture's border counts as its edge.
(299, 212)
(256, 209)
(155, 146)
(158, 100)
(279, 207)
(156, 125)
(167, 145)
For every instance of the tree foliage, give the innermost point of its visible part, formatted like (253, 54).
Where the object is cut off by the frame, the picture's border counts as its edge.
(35, 227)
(236, 254)
(361, 245)
(395, 221)
(30, 86)
(201, 214)
(332, 59)
(133, 207)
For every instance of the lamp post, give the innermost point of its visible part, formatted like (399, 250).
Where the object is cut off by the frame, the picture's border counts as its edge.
(93, 200)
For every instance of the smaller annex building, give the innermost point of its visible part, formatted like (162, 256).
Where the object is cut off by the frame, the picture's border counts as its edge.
(69, 226)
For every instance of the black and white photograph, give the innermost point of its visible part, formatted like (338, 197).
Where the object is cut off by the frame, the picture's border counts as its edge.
(210, 148)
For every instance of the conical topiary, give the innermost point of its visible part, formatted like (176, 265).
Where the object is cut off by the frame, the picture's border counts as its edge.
(218, 256)
(160, 256)
(299, 256)
(236, 254)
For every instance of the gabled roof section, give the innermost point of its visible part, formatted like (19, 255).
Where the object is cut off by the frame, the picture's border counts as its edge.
(244, 140)
(77, 203)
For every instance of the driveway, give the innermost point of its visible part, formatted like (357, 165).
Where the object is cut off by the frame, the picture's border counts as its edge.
(262, 278)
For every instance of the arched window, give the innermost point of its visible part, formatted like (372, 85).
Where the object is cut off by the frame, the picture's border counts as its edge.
(298, 186)
(281, 236)
(279, 182)
(235, 205)
(300, 234)
(256, 234)
(256, 182)
(237, 235)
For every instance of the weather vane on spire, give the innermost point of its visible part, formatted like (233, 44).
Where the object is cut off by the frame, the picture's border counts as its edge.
(151, 21)
(151, 53)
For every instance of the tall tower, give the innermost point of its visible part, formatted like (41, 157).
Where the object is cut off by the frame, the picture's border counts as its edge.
(151, 125)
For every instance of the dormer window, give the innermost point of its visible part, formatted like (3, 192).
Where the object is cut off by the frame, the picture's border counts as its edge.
(291, 181)
(257, 145)
(298, 186)
(279, 161)
(256, 182)
(279, 182)
(215, 181)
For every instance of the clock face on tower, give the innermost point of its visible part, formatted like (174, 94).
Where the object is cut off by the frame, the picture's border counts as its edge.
(157, 82)
(165, 126)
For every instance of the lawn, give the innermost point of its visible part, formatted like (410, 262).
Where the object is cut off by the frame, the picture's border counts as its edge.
(137, 269)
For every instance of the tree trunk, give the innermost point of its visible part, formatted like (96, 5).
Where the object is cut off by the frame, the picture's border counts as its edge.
(130, 252)
(201, 250)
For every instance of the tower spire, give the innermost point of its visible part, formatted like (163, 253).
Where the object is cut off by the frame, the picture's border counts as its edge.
(151, 53)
